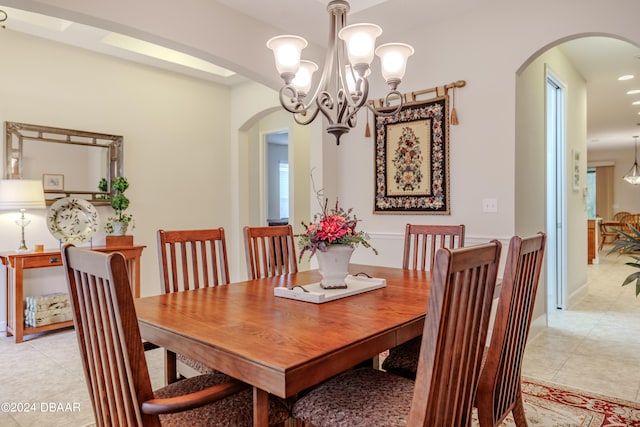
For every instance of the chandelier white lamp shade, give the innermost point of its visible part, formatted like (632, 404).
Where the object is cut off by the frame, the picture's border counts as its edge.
(343, 87)
(20, 195)
(633, 176)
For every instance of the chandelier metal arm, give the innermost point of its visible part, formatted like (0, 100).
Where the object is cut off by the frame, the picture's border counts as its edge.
(327, 69)
(387, 103)
(343, 87)
(310, 115)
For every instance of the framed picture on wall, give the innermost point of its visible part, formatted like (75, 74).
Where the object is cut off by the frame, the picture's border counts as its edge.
(52, 181)
(575, 169)
(412, 159)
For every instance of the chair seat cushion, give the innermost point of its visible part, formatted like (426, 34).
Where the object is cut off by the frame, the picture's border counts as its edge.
(359, 398)
(233, 411)
(403, 359)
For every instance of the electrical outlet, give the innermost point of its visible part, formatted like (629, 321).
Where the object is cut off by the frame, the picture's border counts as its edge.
(490, 205)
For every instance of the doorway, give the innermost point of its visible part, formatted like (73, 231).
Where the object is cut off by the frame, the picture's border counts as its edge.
(556, 195)
(277, 178)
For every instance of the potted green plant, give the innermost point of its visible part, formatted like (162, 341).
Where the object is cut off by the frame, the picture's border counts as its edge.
(628, 242)
(117, 225)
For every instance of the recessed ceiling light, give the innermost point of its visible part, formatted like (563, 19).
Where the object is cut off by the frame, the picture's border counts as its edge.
(626, 77)
(633, 92)
(635, 103)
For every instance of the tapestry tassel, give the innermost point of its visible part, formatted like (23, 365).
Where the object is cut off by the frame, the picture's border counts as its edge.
(454, 114)
(367, 131)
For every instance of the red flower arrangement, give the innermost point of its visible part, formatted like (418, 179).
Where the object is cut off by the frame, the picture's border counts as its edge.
(332, 227)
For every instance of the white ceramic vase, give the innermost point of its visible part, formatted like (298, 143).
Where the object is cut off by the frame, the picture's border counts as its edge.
(334, 266)
(119, 228)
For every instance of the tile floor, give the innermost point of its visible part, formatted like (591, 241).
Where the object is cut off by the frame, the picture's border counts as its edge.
(595, 346)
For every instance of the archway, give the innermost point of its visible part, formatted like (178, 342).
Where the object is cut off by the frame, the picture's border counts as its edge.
(531, 199)
(250, 176)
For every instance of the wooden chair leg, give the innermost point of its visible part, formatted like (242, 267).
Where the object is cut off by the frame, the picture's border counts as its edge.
(519, 415)
(171, 370)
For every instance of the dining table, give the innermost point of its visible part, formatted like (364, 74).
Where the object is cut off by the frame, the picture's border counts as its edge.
(284, 346)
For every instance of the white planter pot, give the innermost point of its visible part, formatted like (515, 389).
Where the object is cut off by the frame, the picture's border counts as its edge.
(334, 266)
(119, 228)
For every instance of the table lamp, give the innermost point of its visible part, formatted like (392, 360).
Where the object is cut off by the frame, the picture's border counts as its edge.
(21, 194)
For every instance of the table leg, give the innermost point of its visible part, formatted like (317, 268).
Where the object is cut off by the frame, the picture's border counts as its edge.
(7, 298)
(18, 292)
(260, 407)
(171, 370)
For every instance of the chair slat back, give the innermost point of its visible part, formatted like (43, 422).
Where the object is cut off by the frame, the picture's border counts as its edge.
(454, 335)
(270, 251)
(421, 242)
(630, 220)
(499, 385)
(619, 215)
(108, 336)
(192, 259)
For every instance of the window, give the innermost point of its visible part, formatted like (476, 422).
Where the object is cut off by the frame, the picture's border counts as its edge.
(591, 192)
(284, 189)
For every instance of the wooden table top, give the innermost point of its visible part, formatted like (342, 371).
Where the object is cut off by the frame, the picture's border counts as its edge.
(281, 345)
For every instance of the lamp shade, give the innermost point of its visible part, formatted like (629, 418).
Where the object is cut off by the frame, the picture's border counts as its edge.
(633, 176)
(393, 58)
(286, 51)
(302, 80)
(16, 194)
(361, 42)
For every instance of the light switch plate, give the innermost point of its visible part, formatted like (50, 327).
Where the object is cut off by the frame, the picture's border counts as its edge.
(490, 205)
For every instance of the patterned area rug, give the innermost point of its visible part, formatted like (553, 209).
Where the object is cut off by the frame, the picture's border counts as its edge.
(551, 405)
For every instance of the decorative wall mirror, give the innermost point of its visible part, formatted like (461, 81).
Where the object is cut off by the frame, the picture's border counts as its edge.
(69, 162)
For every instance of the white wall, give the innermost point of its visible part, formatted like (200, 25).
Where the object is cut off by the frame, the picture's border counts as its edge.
(530, 166)
(626, 197)
(254, 111)
(486, 46)
(176, 137)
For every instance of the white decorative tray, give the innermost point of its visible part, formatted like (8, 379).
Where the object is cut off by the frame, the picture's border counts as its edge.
(316, 294)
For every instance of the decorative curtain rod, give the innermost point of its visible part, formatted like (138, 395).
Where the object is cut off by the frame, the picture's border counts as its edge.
(411, 97)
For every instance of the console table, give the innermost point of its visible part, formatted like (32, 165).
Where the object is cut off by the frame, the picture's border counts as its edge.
(17, 262)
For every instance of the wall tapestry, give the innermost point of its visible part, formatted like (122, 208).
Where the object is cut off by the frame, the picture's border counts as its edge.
(412, 159)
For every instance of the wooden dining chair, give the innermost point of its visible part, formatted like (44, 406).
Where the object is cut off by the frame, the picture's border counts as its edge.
(607, 231)
(617, 217)
(421, 243)
(630, 220)
(499, 387)
(190, 259)
(114, 362)
(454, 336)
(270, 251)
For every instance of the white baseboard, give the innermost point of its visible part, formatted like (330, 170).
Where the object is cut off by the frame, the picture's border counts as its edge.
(577, 295)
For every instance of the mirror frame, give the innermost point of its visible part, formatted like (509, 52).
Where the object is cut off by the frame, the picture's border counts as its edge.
(17, 133)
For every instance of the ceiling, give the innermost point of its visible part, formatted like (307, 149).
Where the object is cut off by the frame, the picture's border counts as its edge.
(612, 120)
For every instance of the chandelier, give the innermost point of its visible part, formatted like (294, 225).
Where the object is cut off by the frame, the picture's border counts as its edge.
(633, 176)
(343, 88)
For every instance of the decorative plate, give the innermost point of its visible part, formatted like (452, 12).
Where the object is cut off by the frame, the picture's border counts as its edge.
(72, 220)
